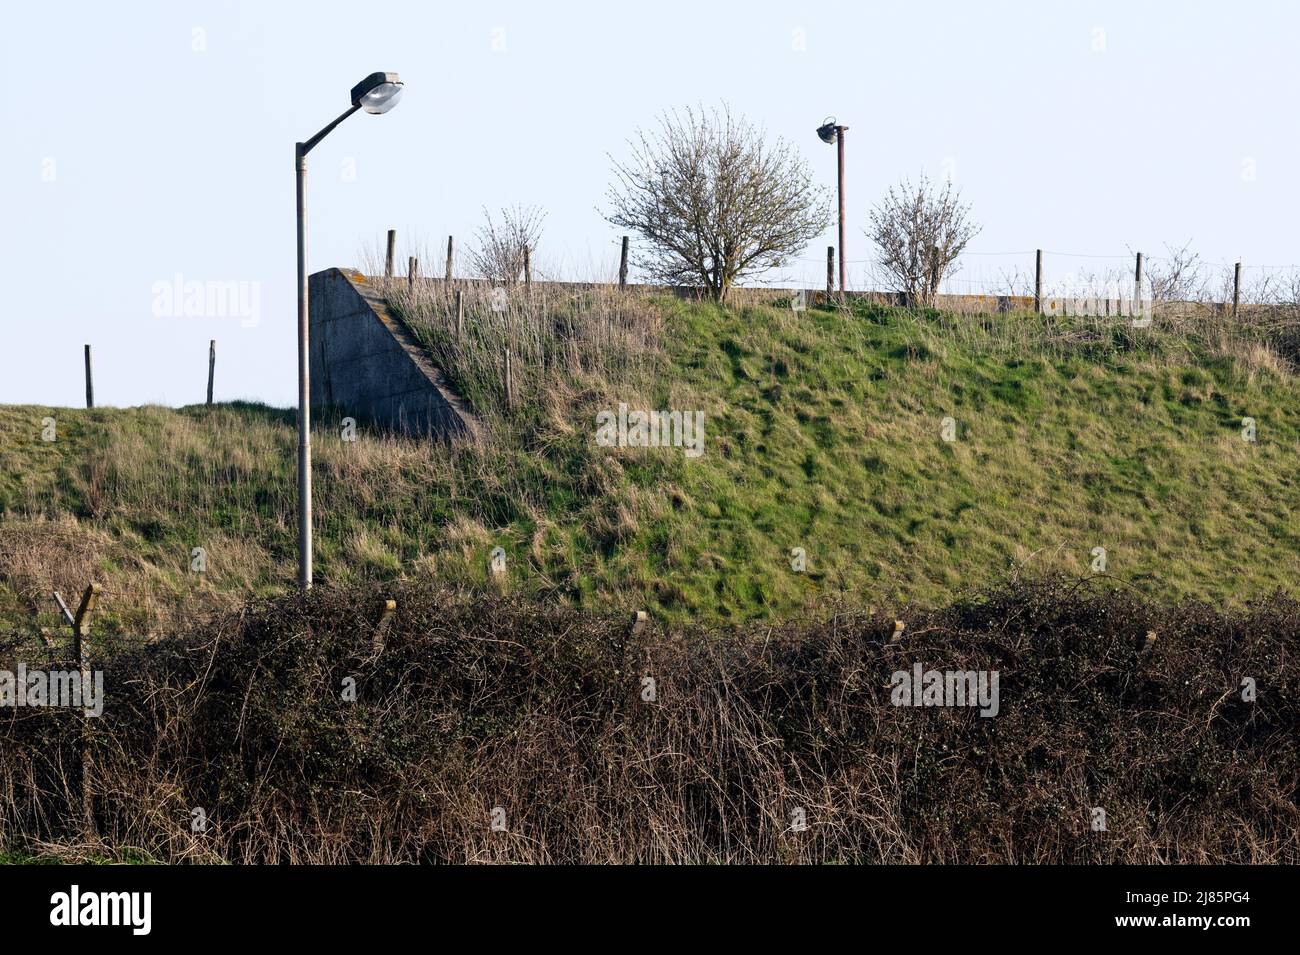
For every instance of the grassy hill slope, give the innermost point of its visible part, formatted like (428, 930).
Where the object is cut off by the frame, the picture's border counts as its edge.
(823, 432)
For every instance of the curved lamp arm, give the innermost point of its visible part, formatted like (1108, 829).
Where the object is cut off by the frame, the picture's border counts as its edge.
(305, 148)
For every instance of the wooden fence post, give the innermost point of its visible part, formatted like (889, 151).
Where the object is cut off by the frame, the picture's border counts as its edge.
(510, 382)
(386, 609)
(450, 241)
(528, 269)
(412, 271)
(90, 382)
(1038, 281)
(392, 249)
(622, 266)
(460, 315)
(1137, 280)
(1236, 288)
(80, 624)
(830, 272)
(80, 630)
(212, 366)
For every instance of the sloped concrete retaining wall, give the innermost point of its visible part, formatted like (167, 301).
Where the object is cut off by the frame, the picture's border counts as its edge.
(366, 363)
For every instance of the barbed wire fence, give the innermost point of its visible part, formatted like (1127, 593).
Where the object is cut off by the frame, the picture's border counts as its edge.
(1175, 274)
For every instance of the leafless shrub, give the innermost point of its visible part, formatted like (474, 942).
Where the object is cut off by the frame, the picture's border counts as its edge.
(1285, 293)
(1014, 282)
(1177, 277)
(715, 202)
(920, 232)
(498, 255)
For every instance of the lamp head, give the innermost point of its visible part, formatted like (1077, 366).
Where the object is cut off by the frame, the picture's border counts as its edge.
(377, 93)
(827, 131)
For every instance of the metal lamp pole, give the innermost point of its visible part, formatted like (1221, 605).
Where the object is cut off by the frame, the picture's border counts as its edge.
(839, 145)
(377, 93)
(830, 132)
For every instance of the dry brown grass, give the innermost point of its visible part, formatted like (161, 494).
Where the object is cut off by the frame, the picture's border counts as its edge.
(562, 337)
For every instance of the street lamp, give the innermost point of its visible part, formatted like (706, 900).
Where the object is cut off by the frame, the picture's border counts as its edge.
(833, 134)
(377, 93)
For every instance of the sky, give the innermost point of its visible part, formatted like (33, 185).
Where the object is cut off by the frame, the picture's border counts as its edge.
(150, 145)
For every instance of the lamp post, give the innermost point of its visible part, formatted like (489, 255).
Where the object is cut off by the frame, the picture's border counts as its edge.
(831, 133)
(377, 93)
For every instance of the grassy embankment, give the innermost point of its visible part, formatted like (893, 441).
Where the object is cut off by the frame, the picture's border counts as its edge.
(823, 432)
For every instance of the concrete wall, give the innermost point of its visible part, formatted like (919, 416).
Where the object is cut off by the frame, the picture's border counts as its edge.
(366, 363)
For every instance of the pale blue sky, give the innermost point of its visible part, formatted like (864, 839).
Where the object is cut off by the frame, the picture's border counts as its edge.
(131, 156)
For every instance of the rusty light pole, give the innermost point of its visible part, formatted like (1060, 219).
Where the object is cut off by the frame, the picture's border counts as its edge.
(830, 132)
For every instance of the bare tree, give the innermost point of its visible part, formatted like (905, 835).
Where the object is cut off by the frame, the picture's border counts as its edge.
(715, 201)
(920, 232)
(499, 253)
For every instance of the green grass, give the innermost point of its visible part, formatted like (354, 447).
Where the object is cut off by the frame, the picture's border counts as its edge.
(823, 432)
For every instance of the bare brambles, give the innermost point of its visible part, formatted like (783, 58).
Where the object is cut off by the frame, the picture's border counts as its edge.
(497, 730)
